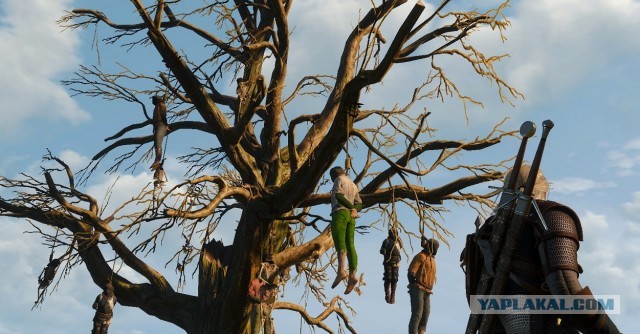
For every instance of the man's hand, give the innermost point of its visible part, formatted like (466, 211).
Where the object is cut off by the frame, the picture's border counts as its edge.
(354, 213)
(412, 277)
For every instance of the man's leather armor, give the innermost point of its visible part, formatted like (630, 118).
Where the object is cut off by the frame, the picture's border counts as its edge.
(547, 263)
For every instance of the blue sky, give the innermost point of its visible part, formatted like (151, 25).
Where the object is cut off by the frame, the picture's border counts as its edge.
(575, 61)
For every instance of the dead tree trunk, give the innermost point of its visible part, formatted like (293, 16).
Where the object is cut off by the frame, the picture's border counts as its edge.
(226, 272)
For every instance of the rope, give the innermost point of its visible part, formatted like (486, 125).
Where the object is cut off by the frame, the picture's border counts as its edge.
(347, 160)
(113, 268)
(166, 142)
(53, 245)
(164, 150)
(353, 113)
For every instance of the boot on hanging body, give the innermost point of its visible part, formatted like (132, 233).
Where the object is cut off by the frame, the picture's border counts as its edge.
(392, 295)
(387, 293)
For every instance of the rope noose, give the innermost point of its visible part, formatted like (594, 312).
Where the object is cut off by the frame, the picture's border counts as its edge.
(347, 160)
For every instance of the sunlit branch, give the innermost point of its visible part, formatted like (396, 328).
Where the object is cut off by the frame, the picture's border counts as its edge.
(311, 80)
(102, 226)
(308, 250)
(174, 90)
(345, 74)
(91, 215)
(224, 192)
(441, 145)
(318, 320)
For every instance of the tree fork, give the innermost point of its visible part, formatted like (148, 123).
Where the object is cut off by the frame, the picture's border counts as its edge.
(244, 162)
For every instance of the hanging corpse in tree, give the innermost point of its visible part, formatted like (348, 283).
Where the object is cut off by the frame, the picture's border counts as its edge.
(49, 272)
(345, 205)
(538, 256)
(390, 251)
(104, 304)
(160, 129)
(262, 293)
(46, 278)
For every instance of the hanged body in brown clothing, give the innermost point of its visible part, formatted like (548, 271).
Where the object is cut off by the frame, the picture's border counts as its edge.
(422, 277)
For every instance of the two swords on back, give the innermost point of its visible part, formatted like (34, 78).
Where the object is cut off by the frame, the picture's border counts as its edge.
(509, 219)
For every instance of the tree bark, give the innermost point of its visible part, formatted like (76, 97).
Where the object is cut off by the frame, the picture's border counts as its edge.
(226, 273)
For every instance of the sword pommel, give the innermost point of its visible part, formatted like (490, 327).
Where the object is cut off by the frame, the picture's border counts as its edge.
(528, 129)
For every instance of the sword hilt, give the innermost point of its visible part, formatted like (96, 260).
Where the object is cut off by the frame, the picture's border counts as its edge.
(535, 165)
(527, 130)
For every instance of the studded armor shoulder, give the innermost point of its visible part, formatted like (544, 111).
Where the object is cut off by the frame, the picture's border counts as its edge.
(559, 224)
(558, 244)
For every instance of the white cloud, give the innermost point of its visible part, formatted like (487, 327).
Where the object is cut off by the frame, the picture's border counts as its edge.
(571, 185)
(610, 257)
(328, 17)
(7, 330)
(329, 21)
(75, 160)
(593, 222)
(18, 284)
(625, 159)
(73, 297)
(554, 46)
(611, 266)
(319, 31)
(633, 144)
(123, 188)
(633, 228)
(602, 259)
(632, 208)
(35, 53)
(68, 308)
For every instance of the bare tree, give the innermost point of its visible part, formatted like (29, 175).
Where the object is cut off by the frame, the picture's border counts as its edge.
(251, 161)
